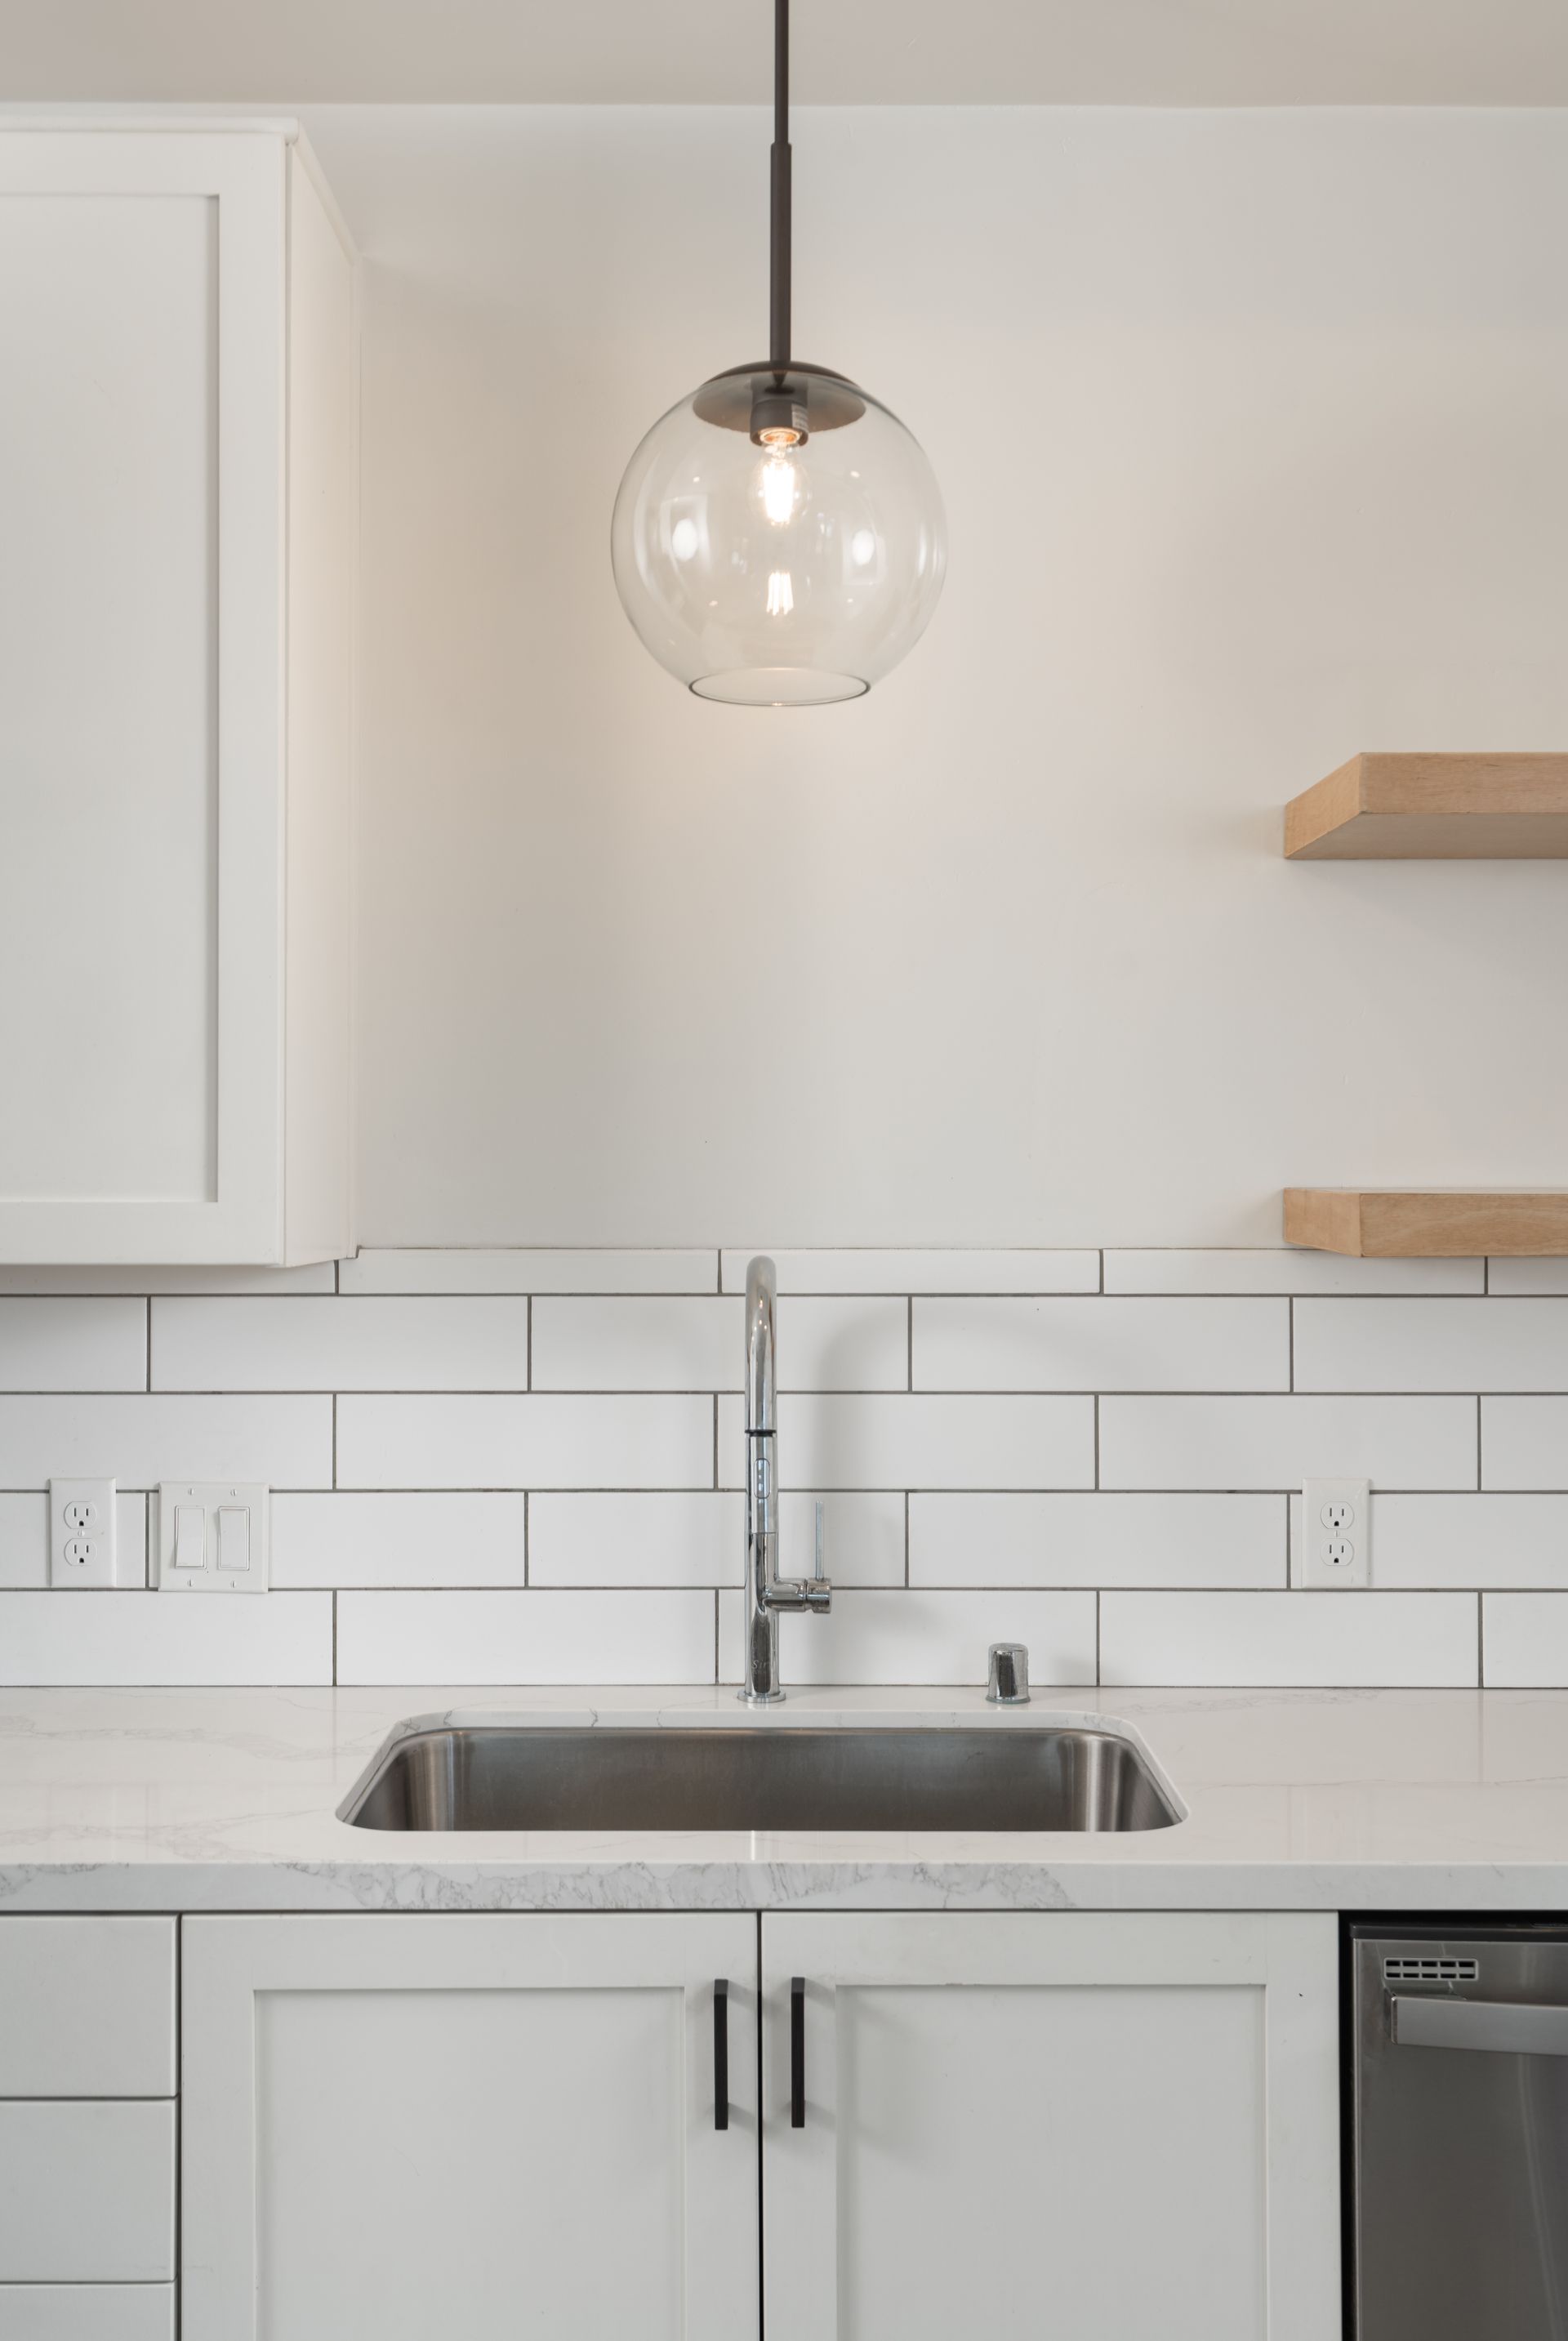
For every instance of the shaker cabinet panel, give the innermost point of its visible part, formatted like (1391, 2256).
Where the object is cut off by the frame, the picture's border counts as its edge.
(476, 2125)
(176, 471)
(1062, 2122)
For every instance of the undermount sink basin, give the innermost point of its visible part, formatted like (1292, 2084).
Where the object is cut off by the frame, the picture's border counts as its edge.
(607, 1776)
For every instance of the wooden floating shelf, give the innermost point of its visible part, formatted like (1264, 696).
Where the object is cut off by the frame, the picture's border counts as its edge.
(1428, 1223)
(1433, 809)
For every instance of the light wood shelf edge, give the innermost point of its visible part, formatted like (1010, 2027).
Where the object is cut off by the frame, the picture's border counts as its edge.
(1428, 807)
(1429, 1222)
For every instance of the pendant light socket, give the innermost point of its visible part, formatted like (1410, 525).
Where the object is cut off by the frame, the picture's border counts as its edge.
(778, 417)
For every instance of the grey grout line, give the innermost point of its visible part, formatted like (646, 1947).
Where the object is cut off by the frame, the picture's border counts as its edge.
(334, 1635)
(527, 1556)
(1481, 1640)
(1290, 1339)
(148, 1306)
(910, 1344)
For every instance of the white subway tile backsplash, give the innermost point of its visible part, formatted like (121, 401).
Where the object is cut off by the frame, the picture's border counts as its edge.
(339, 1345)
(700, 1540)
(1101, 1345)
(922, 1271)
(72, 1345)
(1285, 1271)
(684, 1538)
(530, 1272)
(155, 1637)
(547, 1635)
(1525, 1442)
(539, 1441)
(287, 1442)
(1432, 1345)
(919, 1442)
(402, 1539)
(1366, 1640)
(1437, 1541)
(690, 1344)
(24, 1540)
(1278, 1443)
(922, 1637)
(1527, 1277)
(1525, 1640)
(322, 1278)
(1097, 1539)
(1068, 1454)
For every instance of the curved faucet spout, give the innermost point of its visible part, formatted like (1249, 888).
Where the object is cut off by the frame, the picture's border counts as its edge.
(766, 1593)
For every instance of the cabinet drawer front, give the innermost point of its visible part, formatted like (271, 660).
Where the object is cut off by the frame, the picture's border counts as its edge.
(87, 2193)
(87, 2007)
(87, 2312)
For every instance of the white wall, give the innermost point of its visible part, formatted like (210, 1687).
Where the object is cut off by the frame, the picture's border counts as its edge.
(1252, 430)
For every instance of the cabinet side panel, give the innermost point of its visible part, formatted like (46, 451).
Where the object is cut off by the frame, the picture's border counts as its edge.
(108, 762)
(322, 526)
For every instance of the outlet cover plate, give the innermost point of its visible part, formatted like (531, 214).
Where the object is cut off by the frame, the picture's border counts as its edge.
(207, 1526)
(82, 1534)
(1336, 1553)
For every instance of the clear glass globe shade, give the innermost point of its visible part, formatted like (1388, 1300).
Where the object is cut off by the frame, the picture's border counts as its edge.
(780, 576)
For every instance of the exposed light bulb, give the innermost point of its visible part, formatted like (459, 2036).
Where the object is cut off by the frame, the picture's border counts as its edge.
(778, 485)
(781, 595)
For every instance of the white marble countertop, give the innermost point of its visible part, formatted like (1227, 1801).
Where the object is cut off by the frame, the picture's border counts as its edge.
(1343, 1799)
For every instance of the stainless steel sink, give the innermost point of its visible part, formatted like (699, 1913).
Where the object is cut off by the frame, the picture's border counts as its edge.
(606, 1776)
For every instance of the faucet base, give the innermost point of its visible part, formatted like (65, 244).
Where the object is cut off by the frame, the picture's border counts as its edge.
(760, 1698)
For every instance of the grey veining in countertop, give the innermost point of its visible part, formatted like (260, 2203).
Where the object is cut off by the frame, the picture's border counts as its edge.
(227, 1800)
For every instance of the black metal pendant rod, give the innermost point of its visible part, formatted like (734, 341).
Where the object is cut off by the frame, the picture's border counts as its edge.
(778, 241)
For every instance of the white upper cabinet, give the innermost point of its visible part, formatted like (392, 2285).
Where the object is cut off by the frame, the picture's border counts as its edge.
(177, 487)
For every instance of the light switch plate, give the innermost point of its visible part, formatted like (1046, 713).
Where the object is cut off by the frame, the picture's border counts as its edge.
(82, 1533)
(1335, 1535)
(213, 1536)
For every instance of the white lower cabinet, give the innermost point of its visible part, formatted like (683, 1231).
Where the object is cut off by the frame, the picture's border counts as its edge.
(482, 2127)
(87, 2312)
(1123, 2126)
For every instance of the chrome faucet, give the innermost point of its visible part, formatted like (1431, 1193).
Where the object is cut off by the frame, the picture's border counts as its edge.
(766, 1593)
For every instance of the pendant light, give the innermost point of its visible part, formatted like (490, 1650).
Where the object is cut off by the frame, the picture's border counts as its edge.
(778, 538)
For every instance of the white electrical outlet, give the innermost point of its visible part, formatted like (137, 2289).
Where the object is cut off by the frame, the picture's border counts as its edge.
(82, 1533)
(1335, 1534)
(215, 1536)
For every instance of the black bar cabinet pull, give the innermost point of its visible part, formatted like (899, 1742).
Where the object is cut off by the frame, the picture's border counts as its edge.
(721, 2053)
(797, 2052)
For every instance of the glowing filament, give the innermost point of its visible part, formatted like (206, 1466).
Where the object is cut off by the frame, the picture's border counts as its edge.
(777, 482)
(781, 595)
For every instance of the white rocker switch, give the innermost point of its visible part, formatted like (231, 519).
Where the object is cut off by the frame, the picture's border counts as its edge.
(233, 1537)
(215, 1536)
(190, 1537)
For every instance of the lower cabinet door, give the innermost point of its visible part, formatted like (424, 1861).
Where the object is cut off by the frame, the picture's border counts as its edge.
(1122, 2127)
(482, 2127)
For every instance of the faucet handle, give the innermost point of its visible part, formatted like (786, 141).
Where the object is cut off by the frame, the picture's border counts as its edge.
(815, 1594)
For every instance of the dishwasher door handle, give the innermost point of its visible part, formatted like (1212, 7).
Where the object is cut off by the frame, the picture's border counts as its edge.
(1509, 2027)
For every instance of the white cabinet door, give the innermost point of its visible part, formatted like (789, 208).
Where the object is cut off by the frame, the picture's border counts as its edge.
(482, 2127)
(1067, 2125)
(177, 461)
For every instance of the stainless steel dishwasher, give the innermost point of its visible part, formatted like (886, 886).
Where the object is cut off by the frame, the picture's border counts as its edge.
(1461, 2133)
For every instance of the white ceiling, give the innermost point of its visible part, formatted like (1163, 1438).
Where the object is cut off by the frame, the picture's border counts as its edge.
(847, 51)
